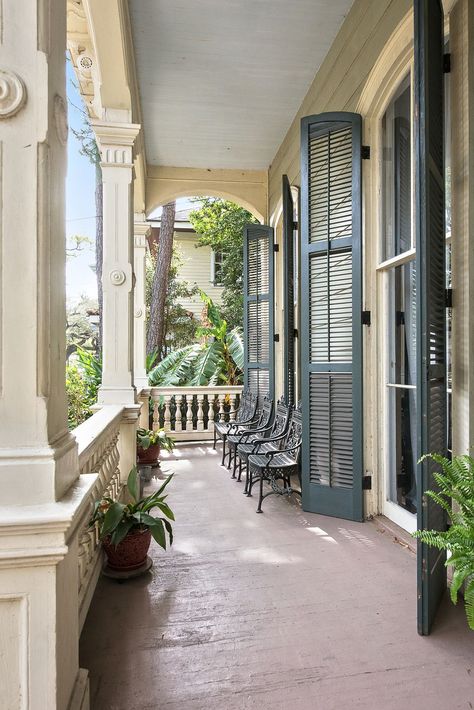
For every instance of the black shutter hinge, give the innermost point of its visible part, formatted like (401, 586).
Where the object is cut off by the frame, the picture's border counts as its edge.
(295, 225)
(365, 317)
(295, 333)
(276, 338)
(276, 247)
(367, 483)
(446, 63)
(365, 152)
(448, 297)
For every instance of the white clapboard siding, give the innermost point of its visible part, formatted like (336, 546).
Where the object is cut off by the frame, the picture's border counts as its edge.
(195, 269)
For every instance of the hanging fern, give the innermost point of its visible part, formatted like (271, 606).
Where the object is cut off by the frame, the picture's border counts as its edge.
(455, 484)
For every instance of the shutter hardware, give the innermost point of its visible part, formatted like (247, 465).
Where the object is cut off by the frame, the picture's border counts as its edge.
(295, 225)
(276, 338)
(365, 152)
(365, 317)
(295, 333)
(367, 483)
(276, 247)
(448, 297)
(447, 63)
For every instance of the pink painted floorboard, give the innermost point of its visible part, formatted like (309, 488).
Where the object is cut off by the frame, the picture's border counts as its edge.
(285, 610)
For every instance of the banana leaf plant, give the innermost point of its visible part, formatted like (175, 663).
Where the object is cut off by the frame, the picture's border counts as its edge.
(217, 360)
(117, 519)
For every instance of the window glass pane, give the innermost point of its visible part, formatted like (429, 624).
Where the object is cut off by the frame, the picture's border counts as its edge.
(402, 396)
(397, 188)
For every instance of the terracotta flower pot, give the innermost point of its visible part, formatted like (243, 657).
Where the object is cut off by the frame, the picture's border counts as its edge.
(130, 553)
(149, 455)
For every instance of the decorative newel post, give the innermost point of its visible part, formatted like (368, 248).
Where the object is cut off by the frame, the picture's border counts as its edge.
(116, 142)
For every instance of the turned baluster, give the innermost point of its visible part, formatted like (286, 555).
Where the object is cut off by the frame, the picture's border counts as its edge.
(210, 414)
(178, 426)
(200, 413)
(156, 415)
(189, 412)
(167, 421)
(232, 408)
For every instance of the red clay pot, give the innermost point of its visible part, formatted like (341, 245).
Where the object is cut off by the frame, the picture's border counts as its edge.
(130, 553)
(149, 455)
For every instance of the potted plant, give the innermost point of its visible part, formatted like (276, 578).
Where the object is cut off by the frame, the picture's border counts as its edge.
(455, 495)
(126, 529)
(150, 443)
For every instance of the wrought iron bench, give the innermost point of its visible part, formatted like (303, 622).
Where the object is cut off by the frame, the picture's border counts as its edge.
(245, 415)
(266, 436)
(263, 423)
(277, 465)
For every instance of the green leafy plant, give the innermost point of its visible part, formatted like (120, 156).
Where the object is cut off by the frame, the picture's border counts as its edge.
(91, 366)
(117, 519)
(217, 360)
(78, 410)
(456, 485)
(148, 437)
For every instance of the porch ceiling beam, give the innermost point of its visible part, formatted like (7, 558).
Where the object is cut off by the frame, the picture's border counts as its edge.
(248, 188)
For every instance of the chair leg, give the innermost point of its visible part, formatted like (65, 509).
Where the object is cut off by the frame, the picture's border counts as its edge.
(223, 450)
(240, 471)
(260, 495)
(235, 463)
(215, 439)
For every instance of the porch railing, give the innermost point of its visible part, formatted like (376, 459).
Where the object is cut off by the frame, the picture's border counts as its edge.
(97, 439)
(188, 413)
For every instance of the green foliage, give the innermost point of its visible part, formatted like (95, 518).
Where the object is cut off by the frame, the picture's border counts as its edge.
(117, 519)
(148, 437)
(78, 410)
(456, 484)
(79, 331)
(180, 325)
(83, 380)
(218, 360)
(220, 225)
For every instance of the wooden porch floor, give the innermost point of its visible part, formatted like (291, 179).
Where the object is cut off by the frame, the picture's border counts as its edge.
(285, 610)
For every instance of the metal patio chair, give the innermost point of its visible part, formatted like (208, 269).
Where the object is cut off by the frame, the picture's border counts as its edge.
(263, 423)
(245, 415)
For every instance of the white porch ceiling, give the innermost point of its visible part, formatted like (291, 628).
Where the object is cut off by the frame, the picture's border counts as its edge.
(221, 80)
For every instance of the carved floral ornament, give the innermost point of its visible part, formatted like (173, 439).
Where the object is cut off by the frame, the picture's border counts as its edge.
(117, 277)
(12, 93)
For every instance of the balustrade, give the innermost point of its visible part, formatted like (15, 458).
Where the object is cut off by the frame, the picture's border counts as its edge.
(98, 439)
(188, 413)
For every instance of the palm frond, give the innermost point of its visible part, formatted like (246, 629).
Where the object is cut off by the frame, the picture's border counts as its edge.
(235, 343)
(174, 369)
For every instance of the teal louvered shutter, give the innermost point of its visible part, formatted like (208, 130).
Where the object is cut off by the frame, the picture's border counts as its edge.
(331, 330)
(289, 293)
(430, 293)
(259, 310)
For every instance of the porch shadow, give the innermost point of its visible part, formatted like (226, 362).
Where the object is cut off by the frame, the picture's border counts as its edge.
(282, 610)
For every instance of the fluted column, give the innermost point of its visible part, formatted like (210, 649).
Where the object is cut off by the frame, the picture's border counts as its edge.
(116, 142)
(141, 230)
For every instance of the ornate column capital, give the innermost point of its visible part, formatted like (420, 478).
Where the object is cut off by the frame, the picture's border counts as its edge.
(116, 141)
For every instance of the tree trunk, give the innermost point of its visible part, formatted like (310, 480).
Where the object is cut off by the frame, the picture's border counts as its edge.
(164, 252)
(99, 245)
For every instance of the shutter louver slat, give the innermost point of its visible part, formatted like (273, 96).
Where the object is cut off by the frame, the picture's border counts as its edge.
(258, 309)
(331, 325)
(431, 404)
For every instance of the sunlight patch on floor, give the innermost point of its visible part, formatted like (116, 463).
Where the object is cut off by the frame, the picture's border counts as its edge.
(322, 534)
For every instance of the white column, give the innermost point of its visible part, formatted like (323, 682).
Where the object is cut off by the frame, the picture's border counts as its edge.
(38, 456)
(141, 230)
(462, 204)
(116, 148)
(38, 459)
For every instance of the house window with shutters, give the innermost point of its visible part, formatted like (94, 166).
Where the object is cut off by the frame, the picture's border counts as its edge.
(399, 321)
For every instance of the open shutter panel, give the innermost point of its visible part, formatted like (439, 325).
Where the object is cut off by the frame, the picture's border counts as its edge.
(289, 293)
(258, 310)
(331, 331)
(430, 288)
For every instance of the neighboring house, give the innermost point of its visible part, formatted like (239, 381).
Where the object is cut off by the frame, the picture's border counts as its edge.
(201, 266)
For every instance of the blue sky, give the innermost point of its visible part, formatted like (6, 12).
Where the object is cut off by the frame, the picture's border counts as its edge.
(80, 201)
